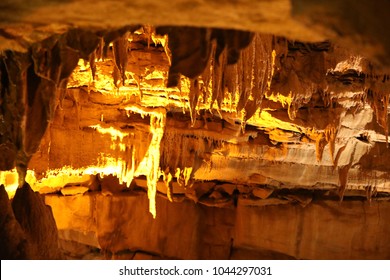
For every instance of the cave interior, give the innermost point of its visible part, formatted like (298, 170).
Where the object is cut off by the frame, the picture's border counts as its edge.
(194, 129)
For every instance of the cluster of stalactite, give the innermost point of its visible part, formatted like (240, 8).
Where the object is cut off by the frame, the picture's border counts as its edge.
(33, 83)
(226, 69)
(378, 94)
(221, 65)
(375, 89)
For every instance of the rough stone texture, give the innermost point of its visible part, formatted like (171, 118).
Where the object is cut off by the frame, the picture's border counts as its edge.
(337, 21)
(37, 221)
(13, 240)
(28, 229)
(296, 19)
(47, 17)
(73, 190)
(253, 126)
(80, 218)
(317, 124)
(322, 230)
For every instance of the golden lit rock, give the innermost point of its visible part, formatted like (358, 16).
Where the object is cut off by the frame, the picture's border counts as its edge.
(241, 137)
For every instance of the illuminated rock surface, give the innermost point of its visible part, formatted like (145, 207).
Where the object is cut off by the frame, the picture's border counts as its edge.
(186, 230)
(262, 145)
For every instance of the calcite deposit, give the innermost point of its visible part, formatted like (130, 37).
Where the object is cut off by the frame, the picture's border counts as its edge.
(223, 130)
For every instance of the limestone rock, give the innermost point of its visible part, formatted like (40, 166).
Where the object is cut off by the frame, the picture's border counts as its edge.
(37, 221)
(358, 230)
(262, 192)
(74, 190)
(13, 240)
(249, 126)
(110, 184)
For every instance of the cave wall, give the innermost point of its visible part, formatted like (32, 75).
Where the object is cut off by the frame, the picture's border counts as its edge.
(321, 121)
(28, 229)
(319, 136)
(313, 117)
(324, 229)
(295, 19)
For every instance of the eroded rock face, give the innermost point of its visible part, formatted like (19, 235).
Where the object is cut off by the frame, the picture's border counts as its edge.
(205, 114)
(37, 221)
(32, 85)
(28, 229)
(295, 19)
(324, 229)
(14, 243)
(312, 110)
(337, 19)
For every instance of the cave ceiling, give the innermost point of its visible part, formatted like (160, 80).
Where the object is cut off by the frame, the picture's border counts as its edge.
(268, 101)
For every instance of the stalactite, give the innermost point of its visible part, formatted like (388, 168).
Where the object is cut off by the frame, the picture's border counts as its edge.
(183, 156)
(207, 76)
(218, 66)
(190, 49)
(245, 78)
(231, 85)
(193, 98)
(378, 94)
(120, 49)
(130, 167)
(300, 93)
(108, 36)
(251, 77)
(116, 77)
(262, 68)
(92, 64)
(161, 40)
(320, 142)
(168, 183)
(330, 137)
(184, 176)
(242, 85)
(148, 31)
(152, 157)
(157, 127)
(370, 193)
(343, 180)
(320, 146)
(99, 54)
(343, 175)
(138, 79)
(292, 80)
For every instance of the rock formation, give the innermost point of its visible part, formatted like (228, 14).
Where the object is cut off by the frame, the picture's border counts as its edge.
(266, 131)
